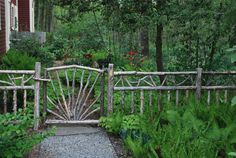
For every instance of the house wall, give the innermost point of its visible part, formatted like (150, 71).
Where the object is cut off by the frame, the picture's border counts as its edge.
(24, 15)
(2, 28)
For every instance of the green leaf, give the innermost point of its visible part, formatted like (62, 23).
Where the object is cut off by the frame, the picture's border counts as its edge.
(233, 102)
(232, 154)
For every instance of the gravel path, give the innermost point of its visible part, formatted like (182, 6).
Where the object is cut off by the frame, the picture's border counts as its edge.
(77, 142)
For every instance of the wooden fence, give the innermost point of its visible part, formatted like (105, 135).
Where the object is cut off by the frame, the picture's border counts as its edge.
(118, 81)
(21, 80)
(197, 81)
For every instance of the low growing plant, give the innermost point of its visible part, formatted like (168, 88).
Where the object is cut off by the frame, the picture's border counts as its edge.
(16, 134)
(193, 130)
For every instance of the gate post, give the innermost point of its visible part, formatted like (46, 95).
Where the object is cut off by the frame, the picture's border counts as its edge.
(45, 96)
(102, 84)
(199, 83)
(36, 94)
(110, 87)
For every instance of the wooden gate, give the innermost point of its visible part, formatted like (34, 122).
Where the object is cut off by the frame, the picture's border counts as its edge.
(74, 94)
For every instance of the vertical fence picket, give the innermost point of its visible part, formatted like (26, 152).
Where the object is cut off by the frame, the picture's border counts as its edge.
(186, 96)
(37, 95)
(45, 96)
(25, 99)
(199, 83)
(168, 96)
(150, 98)
(141, 101)
(208, 97)
(217, 97)
(5, 101)
(110, 87)
(122, 100)
(132, 102)
(226, 97)
(14, 101)
(159, 101)
(177, 97)
(102, 86)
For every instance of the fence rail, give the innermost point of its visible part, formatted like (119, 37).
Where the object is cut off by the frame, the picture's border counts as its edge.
(147, 81)
(155, 84)
(19, 80)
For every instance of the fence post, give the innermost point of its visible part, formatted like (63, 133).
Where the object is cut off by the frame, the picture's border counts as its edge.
(102, 84)
(110, 87)
(36, 95)
(45, 96)
(199, 83)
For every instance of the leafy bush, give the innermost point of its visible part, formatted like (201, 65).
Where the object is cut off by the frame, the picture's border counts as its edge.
(15, 60)
(16, 134)
(175, 132)
(112, 124)
(33, 48)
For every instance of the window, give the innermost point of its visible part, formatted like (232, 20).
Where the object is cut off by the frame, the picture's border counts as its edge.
(13, 18)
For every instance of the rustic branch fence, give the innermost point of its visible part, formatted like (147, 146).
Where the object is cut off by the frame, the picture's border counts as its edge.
(18, 80)
(72, 107)
(148, 81)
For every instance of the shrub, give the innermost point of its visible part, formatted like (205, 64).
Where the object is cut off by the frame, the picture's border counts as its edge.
(14, 60)
(33, 48)
(112, 124)
(193, 130)
(16, 134)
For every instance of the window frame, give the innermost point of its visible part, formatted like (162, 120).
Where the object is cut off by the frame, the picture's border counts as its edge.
(0, 16)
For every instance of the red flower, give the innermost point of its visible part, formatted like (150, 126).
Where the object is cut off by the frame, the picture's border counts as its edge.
(88, 56)
(131, 53)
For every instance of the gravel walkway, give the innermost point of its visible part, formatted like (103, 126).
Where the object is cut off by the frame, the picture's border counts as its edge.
(77, 142)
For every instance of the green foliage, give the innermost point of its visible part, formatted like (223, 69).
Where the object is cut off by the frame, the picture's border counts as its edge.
(16, 134)
(233, 154)
(112, 124)
(73, 39)
(175, 132)
(232, 54)
(15, 60)
(233, 102)
(31, 47)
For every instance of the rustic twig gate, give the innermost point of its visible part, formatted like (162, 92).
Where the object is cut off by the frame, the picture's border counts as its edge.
(71, 103)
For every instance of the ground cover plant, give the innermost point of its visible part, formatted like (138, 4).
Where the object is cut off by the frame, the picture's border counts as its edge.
(16, 134)
(193, 130)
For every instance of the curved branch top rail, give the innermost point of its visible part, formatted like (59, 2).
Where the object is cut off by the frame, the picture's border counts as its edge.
(74, 66)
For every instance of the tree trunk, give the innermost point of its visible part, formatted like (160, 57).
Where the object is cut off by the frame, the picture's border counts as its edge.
(144, 41)
(50, 17)
(232, 40)
(42, 16)
(159, 55)
(213, 50)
